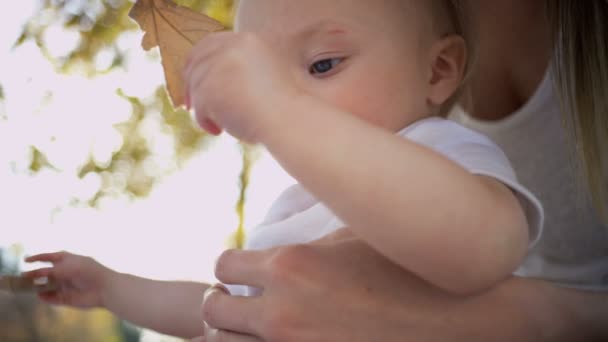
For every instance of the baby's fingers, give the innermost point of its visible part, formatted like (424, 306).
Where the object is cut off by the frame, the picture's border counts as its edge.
(40, 273)
(210, 126)
(53, 298)
(205, 48)
(47, 257)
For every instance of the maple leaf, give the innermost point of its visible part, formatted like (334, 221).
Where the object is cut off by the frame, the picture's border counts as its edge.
(175, 30)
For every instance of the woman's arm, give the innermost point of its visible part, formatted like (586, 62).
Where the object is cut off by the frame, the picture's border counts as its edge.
(307, 290)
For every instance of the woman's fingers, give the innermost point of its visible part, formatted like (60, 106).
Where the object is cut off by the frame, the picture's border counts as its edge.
(234, 313)
(342, 234)
(215, 335)
(46, 257)
(242, 267)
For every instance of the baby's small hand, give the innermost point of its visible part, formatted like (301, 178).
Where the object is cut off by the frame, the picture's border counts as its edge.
(27, 284)
(77, 281)
(236, 82)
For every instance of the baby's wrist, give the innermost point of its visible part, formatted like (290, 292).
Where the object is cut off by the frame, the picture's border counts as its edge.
(280, 115)
(107, 281)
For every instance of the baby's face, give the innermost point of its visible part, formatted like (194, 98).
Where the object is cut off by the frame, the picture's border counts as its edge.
(369, 58)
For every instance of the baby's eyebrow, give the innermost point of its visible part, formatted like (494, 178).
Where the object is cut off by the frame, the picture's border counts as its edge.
(326, 26)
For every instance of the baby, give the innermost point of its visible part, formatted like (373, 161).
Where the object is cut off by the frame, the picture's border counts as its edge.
(350, 97)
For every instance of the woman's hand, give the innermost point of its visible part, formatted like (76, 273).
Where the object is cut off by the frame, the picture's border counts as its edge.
(336, 289)
(80, 280)
(342, 290)
(236, 82)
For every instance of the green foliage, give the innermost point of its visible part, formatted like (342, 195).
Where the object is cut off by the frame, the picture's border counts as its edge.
(126, 163)
(249, 155)
(2, 113)
(130, 162)
(221, 10)
(99, 25)
(197, 5)
(38, 160)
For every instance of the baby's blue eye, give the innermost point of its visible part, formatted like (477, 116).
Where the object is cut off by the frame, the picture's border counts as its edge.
(323, 66)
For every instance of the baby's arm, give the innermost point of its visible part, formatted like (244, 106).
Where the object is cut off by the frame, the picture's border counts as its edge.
(459, 231)
(169, 307)
(172, 308)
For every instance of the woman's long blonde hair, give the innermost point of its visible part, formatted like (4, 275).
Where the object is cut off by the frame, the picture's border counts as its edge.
(580, 65)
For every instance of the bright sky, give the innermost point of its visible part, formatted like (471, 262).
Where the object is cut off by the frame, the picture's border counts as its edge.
(176, 233)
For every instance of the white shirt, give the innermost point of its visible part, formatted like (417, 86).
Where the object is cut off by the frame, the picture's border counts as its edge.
(297, 217)
(573, 250)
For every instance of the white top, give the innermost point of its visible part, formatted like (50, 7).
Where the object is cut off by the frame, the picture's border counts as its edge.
(573, 250)
(297, 217)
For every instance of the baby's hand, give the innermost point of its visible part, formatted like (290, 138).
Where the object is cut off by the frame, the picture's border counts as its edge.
(27, 284)
(78, 281)
(236, 82)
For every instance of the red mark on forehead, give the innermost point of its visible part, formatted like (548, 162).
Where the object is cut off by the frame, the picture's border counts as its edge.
(336, 31)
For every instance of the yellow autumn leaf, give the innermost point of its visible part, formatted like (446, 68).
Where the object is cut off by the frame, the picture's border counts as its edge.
(175, 30)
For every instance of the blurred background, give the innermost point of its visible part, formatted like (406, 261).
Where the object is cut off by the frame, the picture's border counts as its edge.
(95, 160)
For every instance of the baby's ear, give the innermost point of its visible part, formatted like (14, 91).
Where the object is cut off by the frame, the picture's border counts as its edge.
(448, 64)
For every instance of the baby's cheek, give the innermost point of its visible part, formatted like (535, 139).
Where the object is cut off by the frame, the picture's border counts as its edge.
(383, 98)
(375, 103)
(394, 100)
(355, 98)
